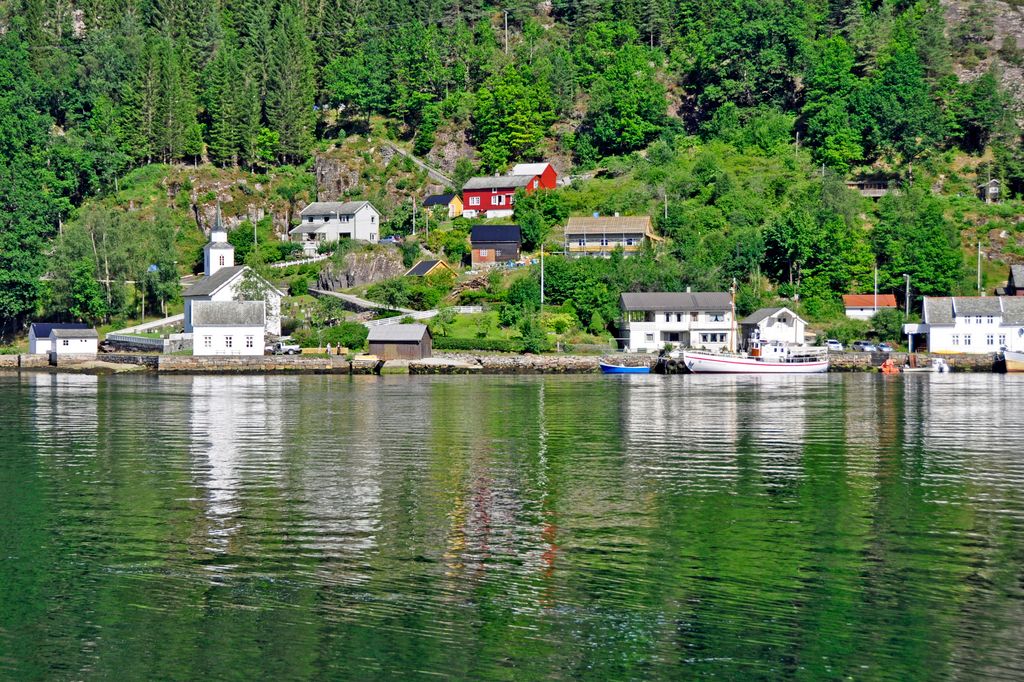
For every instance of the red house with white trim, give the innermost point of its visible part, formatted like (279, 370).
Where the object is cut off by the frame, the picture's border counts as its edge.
(544, 171)
(492, 196)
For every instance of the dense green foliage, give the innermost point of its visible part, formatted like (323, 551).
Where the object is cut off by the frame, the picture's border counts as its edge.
(246, 83)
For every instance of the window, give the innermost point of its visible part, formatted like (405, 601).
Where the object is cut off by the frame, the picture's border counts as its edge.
(373, 219)
(248, 342)
(967, 320)
(309, 219)
(604, 241)
(990, 319)
(716, 317)
(373, 236)
(535, 183)
(1002, 339)
(582, 241)
(228, 341)
(484, 253)
(990, 340)
(474, 201)
(65, 343)
(977, 320)
(694, 317)
(629, 241)
(668, 317)
(956, 339)
(222, 260)
(967, 339)
(679, 317)
(207, 342)
(499, 200)
(649, 337)
(712, 338)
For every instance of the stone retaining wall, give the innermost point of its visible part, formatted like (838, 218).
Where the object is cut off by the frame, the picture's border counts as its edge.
(149, 360)
(275, 364)
(526, 364)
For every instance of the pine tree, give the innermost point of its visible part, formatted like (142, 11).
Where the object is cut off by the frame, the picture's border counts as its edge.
(291, 86)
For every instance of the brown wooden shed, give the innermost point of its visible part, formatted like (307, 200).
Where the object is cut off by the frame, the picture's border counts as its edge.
(401, 342)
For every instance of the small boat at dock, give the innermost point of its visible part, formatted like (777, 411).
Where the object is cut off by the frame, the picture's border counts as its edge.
(1014, 360)
(608, 368)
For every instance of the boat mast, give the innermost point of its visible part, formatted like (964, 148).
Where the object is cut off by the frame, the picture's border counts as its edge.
(732, 321)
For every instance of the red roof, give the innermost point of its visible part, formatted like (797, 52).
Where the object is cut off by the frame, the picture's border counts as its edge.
(868, 301)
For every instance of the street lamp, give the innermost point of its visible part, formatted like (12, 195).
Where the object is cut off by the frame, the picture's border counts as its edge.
(906, 301)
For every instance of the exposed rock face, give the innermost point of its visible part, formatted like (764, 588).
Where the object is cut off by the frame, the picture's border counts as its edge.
(361, 267)
(334, 176)
(1007, 25)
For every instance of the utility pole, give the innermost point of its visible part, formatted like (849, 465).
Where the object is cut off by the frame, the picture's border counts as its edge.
(664, 193)
(506, 31)
(413, 199)
(875, 306)
(979, 267)
(542, 279)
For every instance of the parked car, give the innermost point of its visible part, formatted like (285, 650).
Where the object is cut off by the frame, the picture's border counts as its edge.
(834, 345)
(885, 348)
(284, 348)
(864, 346)
(391, 240)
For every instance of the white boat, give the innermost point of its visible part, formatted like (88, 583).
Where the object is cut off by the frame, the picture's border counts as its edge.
(938, 365)
(772, 358)
(1014, 360)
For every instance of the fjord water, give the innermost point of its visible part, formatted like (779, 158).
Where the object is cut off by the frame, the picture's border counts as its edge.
(821, 527)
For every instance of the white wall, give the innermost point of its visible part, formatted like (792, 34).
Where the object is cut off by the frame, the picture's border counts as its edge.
(214, 340)
(227, 293)
(941, 338)
(72, 346)
(645, 337)
(38, 346)
(864, 313)
(773, 328)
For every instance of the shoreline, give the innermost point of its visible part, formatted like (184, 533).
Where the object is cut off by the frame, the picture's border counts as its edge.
(443, 363)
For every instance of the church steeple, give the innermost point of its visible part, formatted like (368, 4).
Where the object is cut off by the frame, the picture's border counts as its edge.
(218, 253)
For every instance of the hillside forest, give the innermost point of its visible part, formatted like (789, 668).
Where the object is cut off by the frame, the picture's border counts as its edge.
(735, 123)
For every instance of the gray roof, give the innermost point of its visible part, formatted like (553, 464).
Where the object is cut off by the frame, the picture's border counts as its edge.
(228, 313)
(307, 228)
(333, 207)
(42, 329)
(74, 333)
(389, 333)
(758, 315)
(1017, 276)
(676, 301)
(498, 181)
(218, 245)
(941, 309)
(208, 285)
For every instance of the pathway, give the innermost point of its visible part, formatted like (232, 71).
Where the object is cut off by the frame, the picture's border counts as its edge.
(437, 175)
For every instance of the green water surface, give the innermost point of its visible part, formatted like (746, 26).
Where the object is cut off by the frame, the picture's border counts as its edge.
(499, 528)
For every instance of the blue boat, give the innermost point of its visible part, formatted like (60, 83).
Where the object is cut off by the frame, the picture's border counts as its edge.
(621, 369)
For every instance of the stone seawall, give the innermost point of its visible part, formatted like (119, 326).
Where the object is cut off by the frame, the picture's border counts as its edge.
(270, 364)
(526, 364)
(868, 362)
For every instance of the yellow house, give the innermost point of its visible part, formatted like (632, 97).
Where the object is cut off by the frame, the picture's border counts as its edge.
(600, 235)
(452, 201)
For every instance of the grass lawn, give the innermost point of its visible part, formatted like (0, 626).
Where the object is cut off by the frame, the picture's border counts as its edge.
(465, 326)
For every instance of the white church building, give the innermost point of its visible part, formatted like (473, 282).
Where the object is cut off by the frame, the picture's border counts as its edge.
(221, 282)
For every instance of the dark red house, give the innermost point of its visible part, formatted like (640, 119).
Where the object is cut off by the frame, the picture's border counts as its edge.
(544, 171)
(492, 196)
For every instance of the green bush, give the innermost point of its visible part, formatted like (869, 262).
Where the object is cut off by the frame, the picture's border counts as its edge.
(462, 343)
(348, 334)
(299, 287)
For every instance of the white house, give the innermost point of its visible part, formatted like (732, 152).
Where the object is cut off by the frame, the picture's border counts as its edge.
(228, 327)
(970, 324)
(39, 341)
(690, 320)
(222, 281)
(865, 306)
(773, 324)
(77, 342)
(329, 221)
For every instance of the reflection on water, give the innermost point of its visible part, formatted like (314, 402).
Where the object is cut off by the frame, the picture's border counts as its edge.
(630, 527)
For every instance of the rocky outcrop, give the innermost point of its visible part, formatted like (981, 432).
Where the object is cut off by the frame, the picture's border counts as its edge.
(361, 267)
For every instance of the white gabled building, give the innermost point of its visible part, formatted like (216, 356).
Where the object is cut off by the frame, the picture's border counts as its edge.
(228, 327)
(329, 221)
(970, 324)
(767, 325)
(40, 341)
(222, 281)
(688, 320)
(80, 343)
